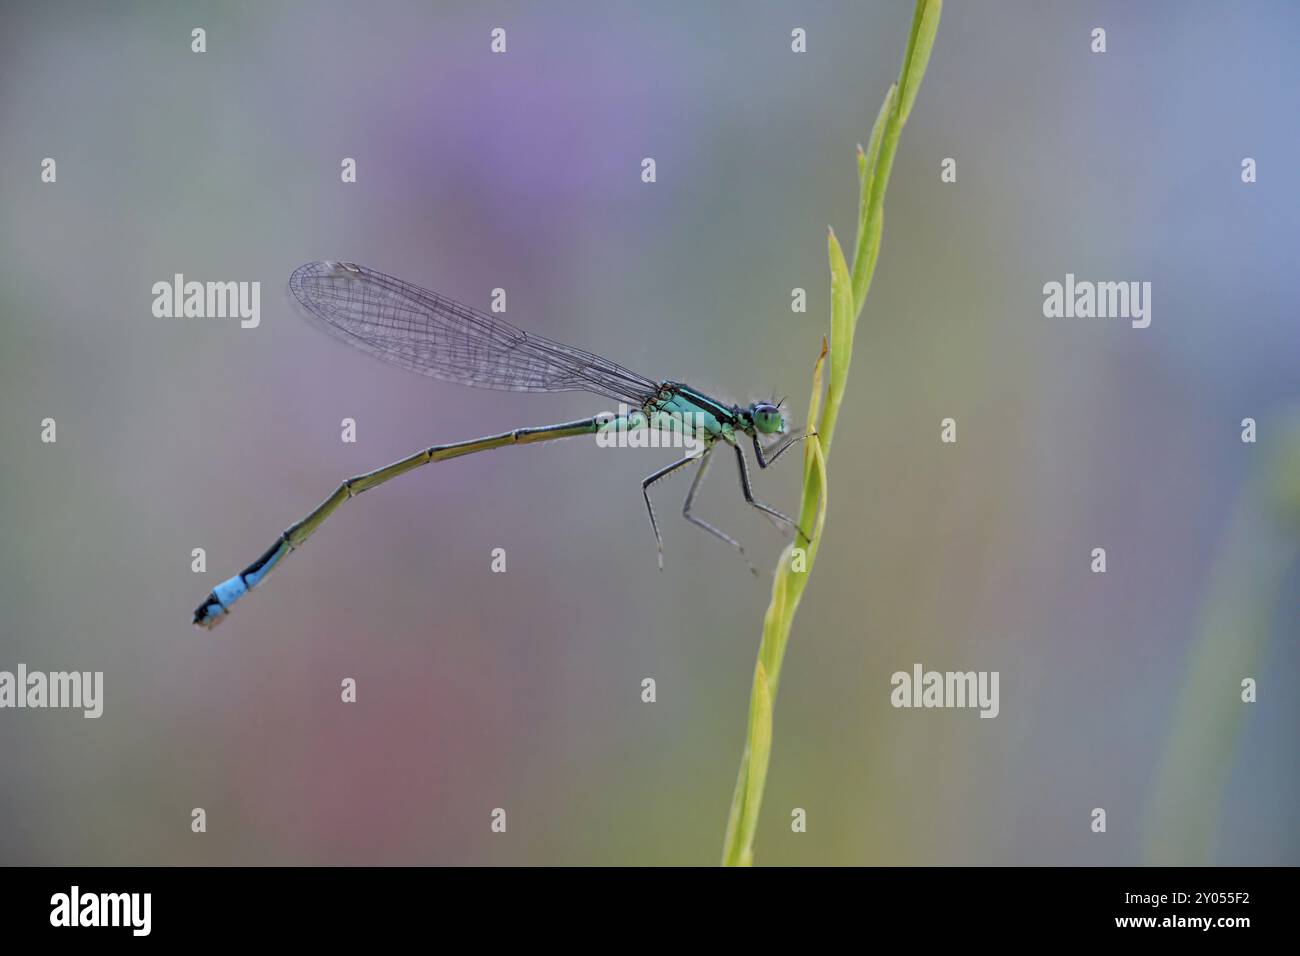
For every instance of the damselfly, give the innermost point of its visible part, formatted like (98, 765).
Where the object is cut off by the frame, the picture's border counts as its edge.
(428, 333)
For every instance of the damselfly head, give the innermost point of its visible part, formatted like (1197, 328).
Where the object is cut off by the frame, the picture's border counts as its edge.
(767, 418)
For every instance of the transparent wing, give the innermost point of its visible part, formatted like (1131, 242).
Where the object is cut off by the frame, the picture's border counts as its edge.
(424, 332)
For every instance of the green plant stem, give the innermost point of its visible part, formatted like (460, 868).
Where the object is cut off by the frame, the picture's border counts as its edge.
(848, 294)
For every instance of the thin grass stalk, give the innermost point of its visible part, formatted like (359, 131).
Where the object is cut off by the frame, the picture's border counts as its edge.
(848, 294)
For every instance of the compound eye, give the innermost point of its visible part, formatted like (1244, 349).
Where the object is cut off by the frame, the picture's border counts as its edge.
(767, 417)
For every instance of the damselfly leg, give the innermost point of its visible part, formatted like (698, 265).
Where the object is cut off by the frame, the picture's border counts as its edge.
(700, 522)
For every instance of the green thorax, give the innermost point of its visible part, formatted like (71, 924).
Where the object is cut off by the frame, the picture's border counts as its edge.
(681, 403)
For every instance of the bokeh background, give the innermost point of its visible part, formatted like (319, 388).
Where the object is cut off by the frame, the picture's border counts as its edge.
(522, 690)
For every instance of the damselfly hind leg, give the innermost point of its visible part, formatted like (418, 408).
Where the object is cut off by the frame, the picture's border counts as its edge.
(645, 492)
(701, 523)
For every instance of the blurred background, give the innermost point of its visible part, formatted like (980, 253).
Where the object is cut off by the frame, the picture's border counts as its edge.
(522, 690)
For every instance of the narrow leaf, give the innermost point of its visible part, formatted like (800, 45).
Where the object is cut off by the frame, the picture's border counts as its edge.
(927, 27)
(760, 752)
(843, 319)
(815, 399)
(868, 161)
